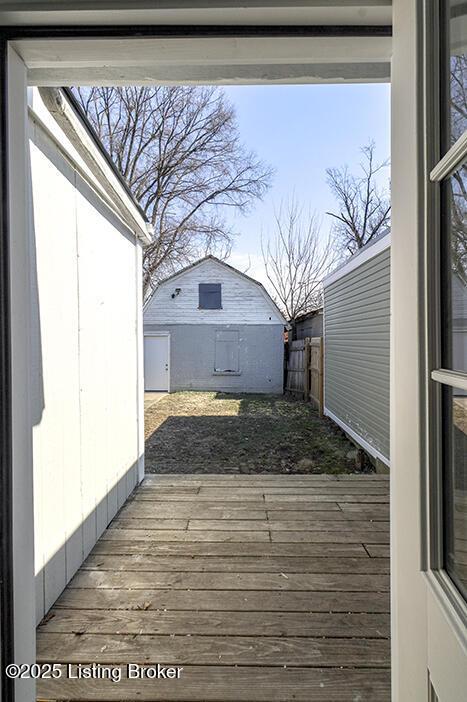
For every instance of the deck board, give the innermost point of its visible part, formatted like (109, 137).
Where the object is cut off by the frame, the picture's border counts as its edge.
(306, 624)
(235, 564)
(263, 588)
(242, 684)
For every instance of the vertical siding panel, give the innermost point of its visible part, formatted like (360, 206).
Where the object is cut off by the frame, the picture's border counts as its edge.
(86, 445)
(72, 483)
(139, 328)
(55, 414)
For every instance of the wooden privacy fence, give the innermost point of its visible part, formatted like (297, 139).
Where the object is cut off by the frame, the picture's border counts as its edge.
(305, 370)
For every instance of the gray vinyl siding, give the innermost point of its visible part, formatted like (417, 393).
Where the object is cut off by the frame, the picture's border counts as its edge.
(357, 329)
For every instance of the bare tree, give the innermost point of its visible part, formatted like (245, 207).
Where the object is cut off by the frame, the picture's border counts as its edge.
(296, 260)
(458, 223)
(458, 96)
(457, 184)
(364, 207)
(179, 150)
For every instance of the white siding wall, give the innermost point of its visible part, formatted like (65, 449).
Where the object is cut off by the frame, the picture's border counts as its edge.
(22, 497)
(86, 334)
(243, 301)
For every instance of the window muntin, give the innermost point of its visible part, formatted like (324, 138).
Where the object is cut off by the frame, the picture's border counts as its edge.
(454, 271)
(455, 485)
(210, 296)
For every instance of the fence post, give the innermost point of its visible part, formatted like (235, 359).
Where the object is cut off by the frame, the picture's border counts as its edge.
(321, 377)
(306, 369)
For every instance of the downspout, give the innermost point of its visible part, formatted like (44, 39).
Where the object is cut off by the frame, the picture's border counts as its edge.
(70, 123)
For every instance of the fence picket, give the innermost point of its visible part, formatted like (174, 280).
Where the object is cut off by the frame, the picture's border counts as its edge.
(305, 370)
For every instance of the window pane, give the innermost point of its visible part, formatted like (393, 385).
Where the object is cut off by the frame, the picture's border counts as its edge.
(210, 296)
(454, 247)
(455, 417)
(456, 99)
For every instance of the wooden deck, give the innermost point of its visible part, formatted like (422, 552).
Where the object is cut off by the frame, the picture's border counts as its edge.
(264, 588)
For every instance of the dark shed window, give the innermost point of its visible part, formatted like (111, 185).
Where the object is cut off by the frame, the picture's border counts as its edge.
(210, 296)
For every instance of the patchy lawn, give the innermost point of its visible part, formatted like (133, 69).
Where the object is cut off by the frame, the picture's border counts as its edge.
(211, 432)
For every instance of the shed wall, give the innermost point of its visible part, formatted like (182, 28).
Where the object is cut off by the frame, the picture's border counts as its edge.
(86, 335)
(311, 327)
(357, 371)
(193, 357)
(243, 301)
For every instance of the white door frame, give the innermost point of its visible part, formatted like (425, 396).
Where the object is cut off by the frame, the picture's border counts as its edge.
(167, 335)
(365, 56)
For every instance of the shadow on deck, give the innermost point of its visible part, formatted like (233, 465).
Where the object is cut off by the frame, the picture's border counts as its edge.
(263, 588)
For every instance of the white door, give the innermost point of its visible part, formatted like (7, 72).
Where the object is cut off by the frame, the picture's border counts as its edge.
(156, 363)
(446, 536)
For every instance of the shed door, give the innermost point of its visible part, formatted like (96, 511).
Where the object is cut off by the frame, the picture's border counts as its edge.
(156, 363)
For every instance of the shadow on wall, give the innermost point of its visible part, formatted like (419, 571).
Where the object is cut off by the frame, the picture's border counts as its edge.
(36, 380)
(53, 576)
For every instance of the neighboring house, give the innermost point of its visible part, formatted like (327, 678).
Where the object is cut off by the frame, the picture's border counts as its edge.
(211, 327)
(306, 325)
(85, 339)
(356, 347)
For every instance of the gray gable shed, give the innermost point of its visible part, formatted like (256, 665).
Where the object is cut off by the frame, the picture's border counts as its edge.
(211, 327)
(357, 347)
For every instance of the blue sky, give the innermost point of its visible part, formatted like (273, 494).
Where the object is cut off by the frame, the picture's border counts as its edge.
(301, 131)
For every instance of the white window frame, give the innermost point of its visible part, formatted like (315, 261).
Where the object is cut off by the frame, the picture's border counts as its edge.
(437, 168)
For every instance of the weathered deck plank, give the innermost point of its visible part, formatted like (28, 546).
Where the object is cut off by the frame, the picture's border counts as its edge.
(136, 580)
(341, 625)
(235, 564)
(228, 684)
(282, 495)
(348, 536)
(263, 549)
(274, 524)
(224, 600)
(174, 479)
(209, 650)
(263, 588)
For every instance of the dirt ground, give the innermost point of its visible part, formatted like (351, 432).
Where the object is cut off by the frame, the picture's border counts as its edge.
(211, 432)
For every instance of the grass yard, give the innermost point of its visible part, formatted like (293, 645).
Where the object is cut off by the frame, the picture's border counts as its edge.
(211, 432)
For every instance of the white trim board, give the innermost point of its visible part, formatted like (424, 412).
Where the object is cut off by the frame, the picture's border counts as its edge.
(359, 259)
(358, 439)
(52, 110)
(176, 60)
(197, 12)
